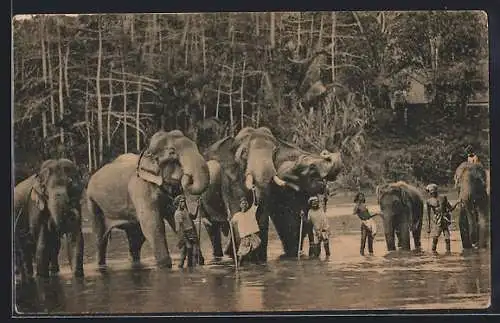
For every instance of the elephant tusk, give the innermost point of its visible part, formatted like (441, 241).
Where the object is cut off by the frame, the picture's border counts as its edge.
(249, 181)
(295, 187)
(278, 181)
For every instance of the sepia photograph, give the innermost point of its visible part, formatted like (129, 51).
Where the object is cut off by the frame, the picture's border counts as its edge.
(230, 162)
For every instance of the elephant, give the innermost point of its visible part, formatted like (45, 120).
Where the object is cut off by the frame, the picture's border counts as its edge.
(135, 193)
(472, 182)
(246, 164)
(47, 207)
(402, 210)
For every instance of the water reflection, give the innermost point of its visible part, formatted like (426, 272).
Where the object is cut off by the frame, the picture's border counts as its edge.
(342, 282)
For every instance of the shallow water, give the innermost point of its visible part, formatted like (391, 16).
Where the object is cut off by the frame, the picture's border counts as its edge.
(344, 281)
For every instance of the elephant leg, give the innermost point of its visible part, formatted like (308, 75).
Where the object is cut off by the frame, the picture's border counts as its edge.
(398, 237)
(404, 235)
(261, 251)
(54, 249)
(463, 225)
(214, 232)
(100, 232)
(153, 228)
(473, 226)
(135, 239)
(42, 252)
(75, 254)
(417, 233)
(483, 230)
(389, 233)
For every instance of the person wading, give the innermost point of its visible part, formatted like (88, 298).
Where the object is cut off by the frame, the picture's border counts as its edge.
(442, 209)
(320, 228)
(368, 225)
(186, 231)
(247, 229)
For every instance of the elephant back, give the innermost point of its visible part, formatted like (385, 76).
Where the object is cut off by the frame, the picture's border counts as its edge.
(106, 185)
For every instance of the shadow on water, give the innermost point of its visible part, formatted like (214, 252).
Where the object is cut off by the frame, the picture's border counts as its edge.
(344, 281)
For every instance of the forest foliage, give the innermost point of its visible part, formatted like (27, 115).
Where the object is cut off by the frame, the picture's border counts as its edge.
(91, 87)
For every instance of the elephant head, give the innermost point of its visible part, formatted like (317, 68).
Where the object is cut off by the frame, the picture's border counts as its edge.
(174, 160)
(401, 208)
(255, 153)
(57, 188)
(307, 172)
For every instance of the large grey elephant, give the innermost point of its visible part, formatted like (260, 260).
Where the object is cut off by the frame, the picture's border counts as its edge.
(402, 210)
(472, 182)
(135, 193)
(47, 207)
(281, 175)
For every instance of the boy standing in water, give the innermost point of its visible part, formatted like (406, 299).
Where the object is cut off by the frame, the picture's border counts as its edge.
(248, 230)
(442, 216)
(320, 227)
(186, 231)
(368, 225)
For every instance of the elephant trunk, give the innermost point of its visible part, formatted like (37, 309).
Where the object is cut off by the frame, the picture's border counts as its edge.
(58, 206)
(196, 175)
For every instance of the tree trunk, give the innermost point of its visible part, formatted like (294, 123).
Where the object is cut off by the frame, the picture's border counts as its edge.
(124, 107)
(203, 48)
(110, 107)
(241, 93)
(137, 115)
(44, 73)
(66, 78)
(98, 89)
(257, 28)
(273, 30)
(332, 53)
(51, 85)
(231, 112)
(89, 139)
(60, 83)
(297, 49)
(319, 44)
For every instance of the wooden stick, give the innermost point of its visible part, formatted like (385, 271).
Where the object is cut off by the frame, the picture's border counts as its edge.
(231, 232)
(300, 237)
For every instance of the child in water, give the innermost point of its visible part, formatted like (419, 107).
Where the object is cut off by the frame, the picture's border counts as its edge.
(368, 225)
(247, 229)
(320, 228)
(442, 216)
(186, 231)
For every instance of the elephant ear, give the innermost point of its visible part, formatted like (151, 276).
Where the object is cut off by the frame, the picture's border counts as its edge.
(38, 200)
(380, 190)
(39, 190)
(241, 154)
(148, 169)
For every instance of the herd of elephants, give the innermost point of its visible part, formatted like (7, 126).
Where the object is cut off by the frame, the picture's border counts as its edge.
(135, 193)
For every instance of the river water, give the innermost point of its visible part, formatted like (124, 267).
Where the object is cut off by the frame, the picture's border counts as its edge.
(344, 281)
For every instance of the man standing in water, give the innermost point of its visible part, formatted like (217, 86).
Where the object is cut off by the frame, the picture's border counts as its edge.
(186, 231)
(442, 216)
(248, 230)
(368, 225)
(320, 227)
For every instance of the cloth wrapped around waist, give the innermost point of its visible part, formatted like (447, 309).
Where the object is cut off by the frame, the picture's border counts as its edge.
(370, 225)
